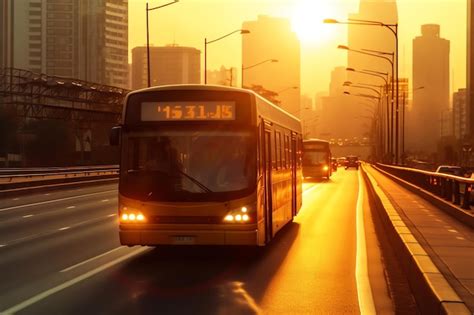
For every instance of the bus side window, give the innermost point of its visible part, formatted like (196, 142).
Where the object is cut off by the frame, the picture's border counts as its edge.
(278, 148)
(274, 151)
(287, 152)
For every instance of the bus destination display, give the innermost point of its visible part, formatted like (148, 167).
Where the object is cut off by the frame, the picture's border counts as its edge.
(177, 111)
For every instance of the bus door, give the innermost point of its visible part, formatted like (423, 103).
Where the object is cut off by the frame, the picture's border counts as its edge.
(293, 176)
(268, 185)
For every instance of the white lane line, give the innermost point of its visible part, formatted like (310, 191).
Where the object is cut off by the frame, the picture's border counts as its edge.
(15, 199)
(47, 194)
(2, 245)
(364, 291)
(453, 231)
(43, 295)
(458, 237)
(27, 216)
(56, 200)
(310, 189)
(71, 207)
(90, 259)
(105, 200)
(112, 215)
(64, 228)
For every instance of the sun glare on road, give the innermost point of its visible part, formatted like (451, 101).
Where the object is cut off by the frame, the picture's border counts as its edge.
(307, 20)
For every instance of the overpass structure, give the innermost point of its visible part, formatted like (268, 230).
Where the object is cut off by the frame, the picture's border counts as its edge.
(41, 96)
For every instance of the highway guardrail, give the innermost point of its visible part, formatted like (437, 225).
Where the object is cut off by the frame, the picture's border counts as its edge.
(455, 189)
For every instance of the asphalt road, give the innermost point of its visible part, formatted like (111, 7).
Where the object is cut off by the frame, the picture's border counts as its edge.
(59, 254)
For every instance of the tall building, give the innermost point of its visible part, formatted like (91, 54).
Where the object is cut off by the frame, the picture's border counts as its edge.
(339, 116)
(273, 38)
(82, 39)
(470, 67)
(430, 70)
(460, 114)
(223, 76)
(169, 65)
(3, 34)
(373, 38)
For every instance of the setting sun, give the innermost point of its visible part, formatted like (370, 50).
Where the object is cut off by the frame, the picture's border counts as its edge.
(307, 20)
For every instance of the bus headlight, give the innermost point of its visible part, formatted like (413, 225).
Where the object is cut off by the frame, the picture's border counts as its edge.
(325, 167)
(131, 216)
(238, 216)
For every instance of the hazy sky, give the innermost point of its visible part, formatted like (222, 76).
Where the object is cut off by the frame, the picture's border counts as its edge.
(188, 22)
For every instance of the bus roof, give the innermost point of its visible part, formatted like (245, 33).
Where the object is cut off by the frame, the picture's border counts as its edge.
(266, 108)
(316, 140)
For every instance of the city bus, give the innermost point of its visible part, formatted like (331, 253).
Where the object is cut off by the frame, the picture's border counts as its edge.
(206, 165)
(316, 159)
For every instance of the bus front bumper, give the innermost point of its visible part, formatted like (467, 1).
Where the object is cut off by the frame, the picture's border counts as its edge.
(151, 237)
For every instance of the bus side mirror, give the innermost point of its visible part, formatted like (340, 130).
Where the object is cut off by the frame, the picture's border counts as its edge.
(114, 137)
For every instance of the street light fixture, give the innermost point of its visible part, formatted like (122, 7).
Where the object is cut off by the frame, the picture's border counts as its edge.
(392, 28)
(253, 66)
(378, 54)
(241, 31)
(148, 9)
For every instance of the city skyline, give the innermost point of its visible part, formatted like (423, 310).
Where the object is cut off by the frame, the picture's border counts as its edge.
(166, 27)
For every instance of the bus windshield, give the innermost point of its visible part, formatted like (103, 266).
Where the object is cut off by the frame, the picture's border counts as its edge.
(189, 166)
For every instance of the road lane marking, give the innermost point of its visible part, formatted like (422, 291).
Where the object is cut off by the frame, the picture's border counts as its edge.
(453, 231)
(90, 259)
(50, 232)
(2, 245)
(71, 207)
(16, 199)
(112, 215)
(364, 291)
(105, 200)
(56, 200)
(43, 295)
(460, 238)
(64, 228)
(27, 216)
(47, 194)
(310, 189)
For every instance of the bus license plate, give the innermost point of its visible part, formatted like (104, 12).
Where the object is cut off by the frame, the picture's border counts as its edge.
(184, 239)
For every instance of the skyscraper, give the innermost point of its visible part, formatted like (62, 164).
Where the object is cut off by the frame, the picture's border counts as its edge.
(273, 38)
(169, 65)
(82, 39)
(430, 70)
(373, 38)
(460, 114)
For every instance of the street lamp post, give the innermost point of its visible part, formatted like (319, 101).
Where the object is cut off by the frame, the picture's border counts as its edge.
(241, 31)
(383, 76)
(253, 66)
(377, 121)
(378, 55)
(148, 9)
(394, 29)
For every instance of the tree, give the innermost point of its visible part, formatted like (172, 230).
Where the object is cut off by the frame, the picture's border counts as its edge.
(268, 94)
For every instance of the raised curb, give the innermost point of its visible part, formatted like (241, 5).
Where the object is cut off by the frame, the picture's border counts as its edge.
(432, 292)
(461, 215)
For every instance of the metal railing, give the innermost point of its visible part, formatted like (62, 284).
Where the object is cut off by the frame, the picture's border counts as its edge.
(19, 178)
(455, 189)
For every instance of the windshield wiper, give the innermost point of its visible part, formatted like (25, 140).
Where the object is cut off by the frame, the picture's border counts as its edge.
(195, 181)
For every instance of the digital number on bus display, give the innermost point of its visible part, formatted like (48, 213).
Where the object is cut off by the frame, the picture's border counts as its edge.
(176, 111)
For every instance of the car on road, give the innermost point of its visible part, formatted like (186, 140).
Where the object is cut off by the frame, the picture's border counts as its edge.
(352, 161)
(452, 170)
(334, 164)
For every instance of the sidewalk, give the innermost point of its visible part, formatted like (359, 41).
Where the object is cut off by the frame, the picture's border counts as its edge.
(449, 243)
